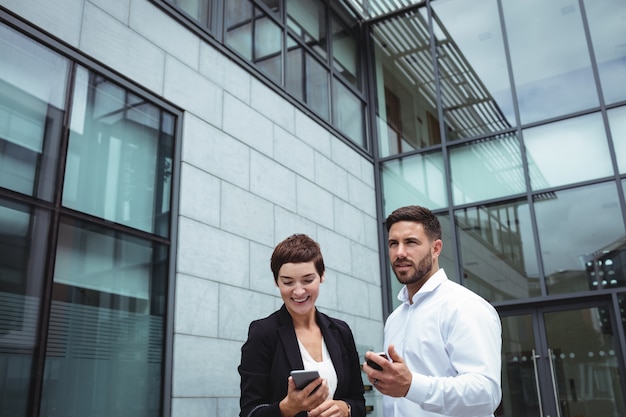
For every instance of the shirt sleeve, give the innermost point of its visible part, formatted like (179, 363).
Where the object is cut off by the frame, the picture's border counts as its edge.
(473, 340)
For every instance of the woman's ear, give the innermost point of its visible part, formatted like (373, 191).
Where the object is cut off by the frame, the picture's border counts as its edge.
(323, 277)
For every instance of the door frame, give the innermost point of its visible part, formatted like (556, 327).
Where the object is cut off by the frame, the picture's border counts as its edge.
(548, 390)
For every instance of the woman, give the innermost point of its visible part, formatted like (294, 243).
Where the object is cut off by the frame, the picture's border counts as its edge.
(295, 337)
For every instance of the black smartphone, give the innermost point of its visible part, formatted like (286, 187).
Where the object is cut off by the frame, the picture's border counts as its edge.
(374, 365)
(302, 377)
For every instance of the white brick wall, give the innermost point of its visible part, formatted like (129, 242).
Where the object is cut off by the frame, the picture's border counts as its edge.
(255, 169)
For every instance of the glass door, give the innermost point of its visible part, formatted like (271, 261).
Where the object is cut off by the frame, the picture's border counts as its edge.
(561, 362)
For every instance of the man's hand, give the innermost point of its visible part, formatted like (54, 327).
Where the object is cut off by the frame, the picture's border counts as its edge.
(394, 379)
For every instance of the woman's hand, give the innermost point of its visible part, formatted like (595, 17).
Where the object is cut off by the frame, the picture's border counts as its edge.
(308, 398)
(331, 408)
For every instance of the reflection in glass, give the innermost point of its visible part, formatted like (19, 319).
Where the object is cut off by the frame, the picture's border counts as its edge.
(256, 37)
(348, 113)
(33, 81)
(198, 9)
(487, 168)
(119, 158)
(22, 263)
(567, 152)
(498, 250)
(607, 23)
(519, 374)
(582, 349)
(475, 85)
(550, 58)
(307, 20)
(617, 123)
(405, 88)
(577, 229)
(345, 53)
(307, 80)
(106, 325)
(238, 26)
(418, 179)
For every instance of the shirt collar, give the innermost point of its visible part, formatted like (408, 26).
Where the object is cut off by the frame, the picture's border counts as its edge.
(433, 282)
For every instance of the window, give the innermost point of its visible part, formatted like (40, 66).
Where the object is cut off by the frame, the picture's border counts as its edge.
(303, 46)
(109, 157)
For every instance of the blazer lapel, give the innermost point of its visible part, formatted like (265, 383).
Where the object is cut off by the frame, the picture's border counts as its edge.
(331, 338)
(287, 335)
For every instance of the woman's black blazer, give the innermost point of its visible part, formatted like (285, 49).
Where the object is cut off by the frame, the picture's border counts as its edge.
(271, 353)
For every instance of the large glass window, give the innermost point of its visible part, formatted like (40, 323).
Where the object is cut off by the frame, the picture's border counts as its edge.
(577, 229)
(607, 23)
(475, 85)
(348, 112)
(406, 109)
(307, 79)
(33, 82)
(119, 157)
(23, 246)
(566, 152)
(486, 169)
(498, 250)
(551, 62)
(84, 337)
(104, 350)
(418, 179)
(346, 53)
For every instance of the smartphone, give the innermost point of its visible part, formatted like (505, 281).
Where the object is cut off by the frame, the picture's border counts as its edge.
(374, 364)
(302, 377)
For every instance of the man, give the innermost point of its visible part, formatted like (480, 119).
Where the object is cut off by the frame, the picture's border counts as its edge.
(443, 342)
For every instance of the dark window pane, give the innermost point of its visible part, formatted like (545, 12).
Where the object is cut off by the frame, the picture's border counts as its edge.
(577, 228)
(104, 354)
(498, 250)
(348, 113)
(199, 10)
(307, 21)
(346, 53)
(238, 26)
(33, 81)
(22, 260)
(119, 156)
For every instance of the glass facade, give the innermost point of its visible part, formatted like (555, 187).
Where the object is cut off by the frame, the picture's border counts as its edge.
(85, 195)
(509, 132)
(508, 117)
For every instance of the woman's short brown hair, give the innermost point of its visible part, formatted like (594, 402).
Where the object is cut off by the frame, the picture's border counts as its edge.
(297, 248)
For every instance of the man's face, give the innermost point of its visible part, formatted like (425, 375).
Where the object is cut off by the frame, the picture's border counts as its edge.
(412, 255)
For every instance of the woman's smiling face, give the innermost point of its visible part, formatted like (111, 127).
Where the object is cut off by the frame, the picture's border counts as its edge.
(299, 285)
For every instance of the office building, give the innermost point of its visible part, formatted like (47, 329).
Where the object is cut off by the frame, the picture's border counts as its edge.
(153, 152)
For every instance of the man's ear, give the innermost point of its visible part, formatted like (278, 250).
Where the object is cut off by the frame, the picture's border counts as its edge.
(323, 277)
(437, 247)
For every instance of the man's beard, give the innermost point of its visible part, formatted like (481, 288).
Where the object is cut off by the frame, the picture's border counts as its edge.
(422, 269)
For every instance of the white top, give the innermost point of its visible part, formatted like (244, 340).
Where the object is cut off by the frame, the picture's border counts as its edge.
(325, 367)
(451, 340)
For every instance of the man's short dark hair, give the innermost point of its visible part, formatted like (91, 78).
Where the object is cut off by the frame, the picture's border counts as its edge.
(417, 214)
(297, 248)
